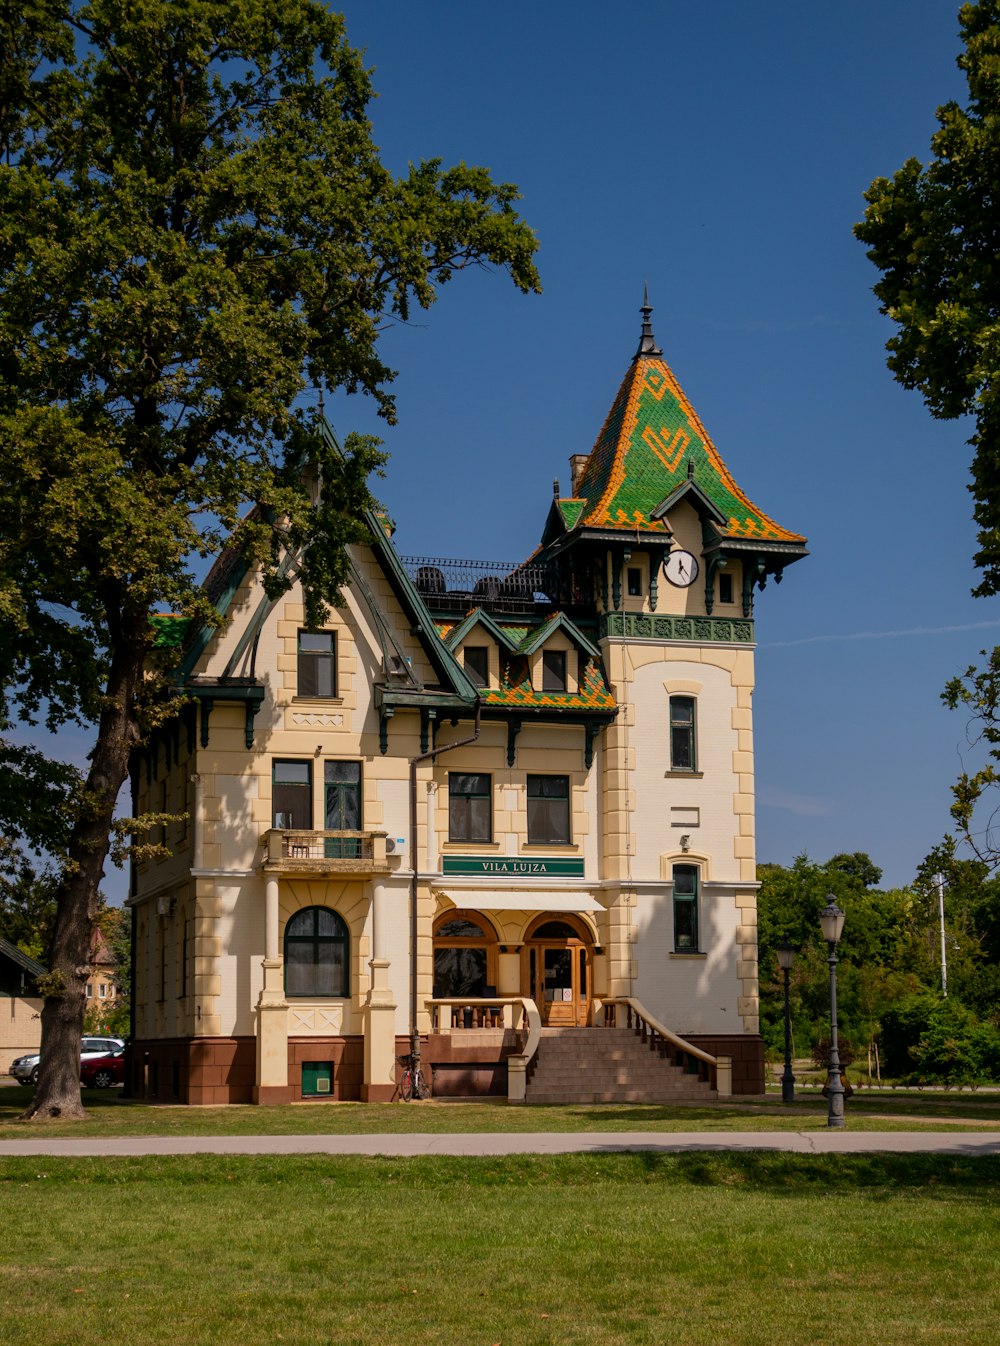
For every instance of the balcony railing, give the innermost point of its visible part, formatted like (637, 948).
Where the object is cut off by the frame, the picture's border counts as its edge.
(452, 586)
(327, 852)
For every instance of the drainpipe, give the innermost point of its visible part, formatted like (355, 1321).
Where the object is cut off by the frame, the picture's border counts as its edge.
(414, 763)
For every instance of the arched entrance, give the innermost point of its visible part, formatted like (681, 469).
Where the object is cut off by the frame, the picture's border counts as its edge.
(557, 970)
(465, 955)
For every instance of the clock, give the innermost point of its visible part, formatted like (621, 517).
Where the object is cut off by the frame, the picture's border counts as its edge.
(681, 568)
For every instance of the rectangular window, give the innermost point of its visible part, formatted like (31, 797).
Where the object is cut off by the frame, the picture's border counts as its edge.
(342, 809)
(90, 991)
(470, 812)
(291, 796)
(634, 582)
(682, 738)
(548, 810)
(685, 909)
(725, 588)
(553, 670)
(317, 664)
(477, 664)
(102, 990)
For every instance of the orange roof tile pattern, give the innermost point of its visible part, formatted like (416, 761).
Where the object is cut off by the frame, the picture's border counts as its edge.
(641, 457)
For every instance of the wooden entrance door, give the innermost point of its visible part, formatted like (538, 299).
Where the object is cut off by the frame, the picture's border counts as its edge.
(558, 974)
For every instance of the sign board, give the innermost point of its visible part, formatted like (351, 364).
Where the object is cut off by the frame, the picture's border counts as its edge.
(500, 867)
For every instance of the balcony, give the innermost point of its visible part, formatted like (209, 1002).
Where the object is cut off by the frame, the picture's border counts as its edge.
(501, 587)
(329, 852)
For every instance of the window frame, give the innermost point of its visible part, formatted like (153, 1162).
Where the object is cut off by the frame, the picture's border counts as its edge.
(687, 933)
(461, 829)
(553, 682)
(316, 939)
(689, 728)
(535, 780)
(479, 678)
(307, 786)
(315, 661)
(726, 581)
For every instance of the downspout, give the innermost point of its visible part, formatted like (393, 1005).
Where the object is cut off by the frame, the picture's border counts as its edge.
(414, 763)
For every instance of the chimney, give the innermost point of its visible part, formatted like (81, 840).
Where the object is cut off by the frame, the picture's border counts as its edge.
(577, 466)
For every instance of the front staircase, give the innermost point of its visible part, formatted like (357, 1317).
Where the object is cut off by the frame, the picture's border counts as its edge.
(608, 1065)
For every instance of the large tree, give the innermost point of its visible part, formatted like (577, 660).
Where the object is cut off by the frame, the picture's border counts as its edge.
(933, 230)
(934, 233)
(195, 229)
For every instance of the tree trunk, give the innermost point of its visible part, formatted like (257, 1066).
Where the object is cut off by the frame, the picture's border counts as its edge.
(57, 1093)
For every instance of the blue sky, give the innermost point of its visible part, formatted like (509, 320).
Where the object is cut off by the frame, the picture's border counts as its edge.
(720, 153)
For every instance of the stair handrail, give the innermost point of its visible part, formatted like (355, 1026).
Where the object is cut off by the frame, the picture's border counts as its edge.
(518, 1063)
(719, 1071)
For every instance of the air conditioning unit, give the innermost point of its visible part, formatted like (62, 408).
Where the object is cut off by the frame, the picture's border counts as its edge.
(390, 846)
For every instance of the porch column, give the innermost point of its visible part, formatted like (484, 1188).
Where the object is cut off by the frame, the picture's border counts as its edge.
(272, 1011)
(380, 1037)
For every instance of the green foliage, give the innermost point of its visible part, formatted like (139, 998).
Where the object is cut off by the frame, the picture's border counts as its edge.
(28, 908)
(931, 231)
(889, 955)
(195, 230)
(930, 1039)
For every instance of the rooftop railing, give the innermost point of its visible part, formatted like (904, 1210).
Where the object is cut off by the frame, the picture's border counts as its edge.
(498, 586)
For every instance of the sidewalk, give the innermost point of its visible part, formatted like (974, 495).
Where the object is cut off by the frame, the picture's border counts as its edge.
(499, 1143)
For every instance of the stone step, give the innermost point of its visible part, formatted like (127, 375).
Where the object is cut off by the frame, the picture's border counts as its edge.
(600, 1065)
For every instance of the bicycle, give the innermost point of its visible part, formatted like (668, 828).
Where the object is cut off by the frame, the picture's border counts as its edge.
(412, 1083)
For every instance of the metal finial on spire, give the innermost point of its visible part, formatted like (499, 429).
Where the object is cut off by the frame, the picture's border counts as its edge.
(647, 342)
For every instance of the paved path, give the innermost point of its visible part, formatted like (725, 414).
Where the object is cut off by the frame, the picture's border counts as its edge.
(536, 1142)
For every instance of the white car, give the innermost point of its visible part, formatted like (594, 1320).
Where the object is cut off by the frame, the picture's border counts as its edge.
(25, 1068)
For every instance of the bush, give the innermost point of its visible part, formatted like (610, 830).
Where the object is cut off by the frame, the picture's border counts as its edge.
(927, 1040)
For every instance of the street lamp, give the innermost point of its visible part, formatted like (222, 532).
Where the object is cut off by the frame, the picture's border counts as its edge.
(786, 957)
(831, 921)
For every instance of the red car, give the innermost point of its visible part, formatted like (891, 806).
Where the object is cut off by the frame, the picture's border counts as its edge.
(101, 1072)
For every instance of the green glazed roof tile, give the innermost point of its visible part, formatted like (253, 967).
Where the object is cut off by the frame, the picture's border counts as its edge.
(651, 437)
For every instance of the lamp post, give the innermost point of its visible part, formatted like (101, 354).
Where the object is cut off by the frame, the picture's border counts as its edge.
(831, 920)
(786, 957)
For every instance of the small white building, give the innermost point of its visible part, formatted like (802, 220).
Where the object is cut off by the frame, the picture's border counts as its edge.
(495, 813)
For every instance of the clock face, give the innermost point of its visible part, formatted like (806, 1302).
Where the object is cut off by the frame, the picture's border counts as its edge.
(681, 568)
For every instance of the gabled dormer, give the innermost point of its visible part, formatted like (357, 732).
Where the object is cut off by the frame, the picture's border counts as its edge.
(481, 646)
(557, 653)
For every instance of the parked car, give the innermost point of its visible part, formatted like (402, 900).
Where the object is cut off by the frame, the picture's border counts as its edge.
(25, 1068)
(101, 1072)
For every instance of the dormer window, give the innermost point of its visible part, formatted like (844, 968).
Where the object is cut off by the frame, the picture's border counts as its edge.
(477, 664)
(553, 670)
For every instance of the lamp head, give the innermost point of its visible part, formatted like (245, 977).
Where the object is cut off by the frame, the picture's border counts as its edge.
(831, 920)
(786, 955)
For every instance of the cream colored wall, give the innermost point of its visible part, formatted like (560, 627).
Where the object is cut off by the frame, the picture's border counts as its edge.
(690, 993)
(541, 749)
(20, 1028)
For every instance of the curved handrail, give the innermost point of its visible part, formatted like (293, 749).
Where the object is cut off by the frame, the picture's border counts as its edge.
(518, 1063)
(718, 1068)
(661, 1030)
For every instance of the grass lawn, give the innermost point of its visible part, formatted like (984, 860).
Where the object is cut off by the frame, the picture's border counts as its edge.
(613, 1250)
(865, 1112)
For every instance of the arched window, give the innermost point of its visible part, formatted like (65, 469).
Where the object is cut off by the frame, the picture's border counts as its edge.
(464, 956)
(317, 954)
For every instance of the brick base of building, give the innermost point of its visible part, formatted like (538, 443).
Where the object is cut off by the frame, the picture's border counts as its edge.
(747, 1052)
(224, 1070)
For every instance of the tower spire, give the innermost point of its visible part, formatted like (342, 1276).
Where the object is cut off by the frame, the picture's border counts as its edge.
(647, 342)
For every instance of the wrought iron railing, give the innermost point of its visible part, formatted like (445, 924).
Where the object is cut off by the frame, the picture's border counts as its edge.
(498, 586)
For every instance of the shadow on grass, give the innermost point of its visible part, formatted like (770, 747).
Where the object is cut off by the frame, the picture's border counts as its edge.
(875, 1176)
